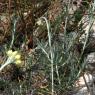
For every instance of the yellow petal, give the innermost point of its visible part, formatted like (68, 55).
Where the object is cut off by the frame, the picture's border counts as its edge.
(14, 53)
(18, 61)
(9, 52)
(18, 56)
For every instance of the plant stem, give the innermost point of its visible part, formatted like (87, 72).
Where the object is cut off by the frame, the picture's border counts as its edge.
(4, 65)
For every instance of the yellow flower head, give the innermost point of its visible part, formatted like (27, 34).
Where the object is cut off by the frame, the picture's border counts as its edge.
(14, 56)
(14, 53)
(9, 52)
(18, 56)
(18, 62)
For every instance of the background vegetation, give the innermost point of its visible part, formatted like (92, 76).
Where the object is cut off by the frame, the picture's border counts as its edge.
(47, 33)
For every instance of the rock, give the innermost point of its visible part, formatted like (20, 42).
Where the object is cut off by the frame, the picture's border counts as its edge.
(81, 87)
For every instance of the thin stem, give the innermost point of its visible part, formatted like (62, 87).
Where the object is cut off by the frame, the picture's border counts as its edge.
(51, 53)
(58, 74)
(9, 61)
(13, 32)
(87, 36)
(4, 65)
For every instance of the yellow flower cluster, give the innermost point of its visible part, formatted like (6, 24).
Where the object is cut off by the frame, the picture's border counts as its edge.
(13, 57)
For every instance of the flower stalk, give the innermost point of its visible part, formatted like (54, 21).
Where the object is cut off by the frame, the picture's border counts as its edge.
(13, 57)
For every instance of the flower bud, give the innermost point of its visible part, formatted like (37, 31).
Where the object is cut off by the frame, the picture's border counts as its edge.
(14, 53)
(9, 53)
(17, 56)
(18, 62)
